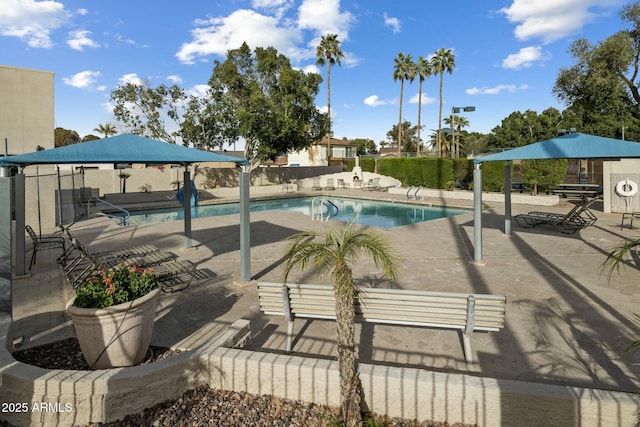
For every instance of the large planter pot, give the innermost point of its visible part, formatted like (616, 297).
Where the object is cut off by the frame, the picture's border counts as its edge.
(118, 335)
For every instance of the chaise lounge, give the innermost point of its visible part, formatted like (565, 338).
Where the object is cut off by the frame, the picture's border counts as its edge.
(576, 219)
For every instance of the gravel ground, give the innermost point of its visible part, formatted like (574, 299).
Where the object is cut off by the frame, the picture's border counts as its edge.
(205, 406)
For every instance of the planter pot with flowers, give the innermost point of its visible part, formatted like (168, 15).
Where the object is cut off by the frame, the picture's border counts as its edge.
(113, 314)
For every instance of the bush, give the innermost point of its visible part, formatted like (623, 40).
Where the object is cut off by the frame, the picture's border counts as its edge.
(493, 176)
(543, 175)
(114, 286)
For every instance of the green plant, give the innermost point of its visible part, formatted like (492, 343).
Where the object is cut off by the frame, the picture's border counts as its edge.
(116, 285)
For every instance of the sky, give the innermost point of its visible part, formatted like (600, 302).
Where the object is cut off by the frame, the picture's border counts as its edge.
(507, 52)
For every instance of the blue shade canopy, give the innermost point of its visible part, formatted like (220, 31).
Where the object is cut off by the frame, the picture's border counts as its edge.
(124, 148)
(570, 146)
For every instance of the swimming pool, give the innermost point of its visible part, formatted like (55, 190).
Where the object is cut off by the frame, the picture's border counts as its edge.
(372, 213)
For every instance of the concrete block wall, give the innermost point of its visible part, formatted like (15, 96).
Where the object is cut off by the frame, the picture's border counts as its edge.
(82, 397)
(422, 394)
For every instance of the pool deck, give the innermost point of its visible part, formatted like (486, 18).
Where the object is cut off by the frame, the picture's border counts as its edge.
(566, 323)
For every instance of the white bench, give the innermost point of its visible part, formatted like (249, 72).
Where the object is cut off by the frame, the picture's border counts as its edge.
(464, 312)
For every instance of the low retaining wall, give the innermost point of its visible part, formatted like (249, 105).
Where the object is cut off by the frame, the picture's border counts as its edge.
(32, 396)
(421, 394)
(516, 198)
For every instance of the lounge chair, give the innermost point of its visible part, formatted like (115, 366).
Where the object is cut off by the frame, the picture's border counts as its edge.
(372, 184)
(316, 184)
(44, 243)
(329, 185)
(576, 219)
(342, 184)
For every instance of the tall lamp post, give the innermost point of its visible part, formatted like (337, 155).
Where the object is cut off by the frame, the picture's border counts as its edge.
(456, 110)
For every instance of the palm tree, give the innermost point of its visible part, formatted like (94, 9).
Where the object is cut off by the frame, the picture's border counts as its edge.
(335, 251)
(106, 129)
(329, 52)
(403, 70)
(612, 264)
(423, 70)
(456, 123)
(442, 61)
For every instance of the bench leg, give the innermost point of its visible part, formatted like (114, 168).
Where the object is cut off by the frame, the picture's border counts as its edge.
(289, 336)
(466, 346)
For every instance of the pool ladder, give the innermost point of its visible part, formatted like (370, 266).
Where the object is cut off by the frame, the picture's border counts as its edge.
(318, 205)
(122, 218)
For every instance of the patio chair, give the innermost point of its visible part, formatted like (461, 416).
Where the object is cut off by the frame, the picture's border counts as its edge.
(342, 184)
(578, 218)
(316, 184)
(372, 184)
(44, 243)
(329, 185)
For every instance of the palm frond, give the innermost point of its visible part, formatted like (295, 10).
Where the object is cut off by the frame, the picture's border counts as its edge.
(616, 257)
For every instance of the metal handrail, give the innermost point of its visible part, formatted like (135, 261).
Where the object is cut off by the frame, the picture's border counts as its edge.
(123, 220)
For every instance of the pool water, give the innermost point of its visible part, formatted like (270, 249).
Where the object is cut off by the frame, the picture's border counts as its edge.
(372, 213)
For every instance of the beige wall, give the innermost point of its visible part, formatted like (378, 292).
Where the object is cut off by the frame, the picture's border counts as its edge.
(613, 172)
(26, 110)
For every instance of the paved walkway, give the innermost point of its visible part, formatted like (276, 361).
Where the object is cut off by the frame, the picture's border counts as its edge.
(565, 324)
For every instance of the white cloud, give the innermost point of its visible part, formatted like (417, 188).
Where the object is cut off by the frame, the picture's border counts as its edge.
(198, 90)
(312, 68)
(131, 78)
(216, 36)
(79, 39)
(496, 90)
(552, 20)
(373, 101)
(324, 17)
(175, 79)
(82, 80)
(425, 99)
(32, 21)
(392, 22)
(525, 58)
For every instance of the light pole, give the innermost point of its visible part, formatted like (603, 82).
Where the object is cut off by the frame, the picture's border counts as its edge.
(456, 110)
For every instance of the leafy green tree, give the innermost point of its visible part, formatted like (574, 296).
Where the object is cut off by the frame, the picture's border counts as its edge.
(266, 102)
(143, 109)
(62, 137)
(423, 71)
(409, 136)
(329, 52)
(89, 137)
(365, 146)
(543, 175)
(403, 69)
(602, 86)
(520, 129)
(106, 129)
(443, 61)
(335, 252)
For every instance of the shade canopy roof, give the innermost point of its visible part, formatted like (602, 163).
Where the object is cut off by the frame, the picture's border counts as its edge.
(124, 148)
(570, 146)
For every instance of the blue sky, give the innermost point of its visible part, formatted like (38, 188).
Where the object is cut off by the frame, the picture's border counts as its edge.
(507, 52)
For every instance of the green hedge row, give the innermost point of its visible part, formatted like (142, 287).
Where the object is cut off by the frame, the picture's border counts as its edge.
(436, 173)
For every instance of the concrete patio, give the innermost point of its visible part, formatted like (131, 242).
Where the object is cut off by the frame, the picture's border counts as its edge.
(566, 323)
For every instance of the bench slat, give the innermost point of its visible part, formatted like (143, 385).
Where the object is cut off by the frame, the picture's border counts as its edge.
(447, 310)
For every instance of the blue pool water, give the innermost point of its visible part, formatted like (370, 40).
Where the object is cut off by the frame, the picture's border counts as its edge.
(372, 213)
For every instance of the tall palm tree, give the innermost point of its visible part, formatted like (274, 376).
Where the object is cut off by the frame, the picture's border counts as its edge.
(335, 251)
(106, 129)
(403, 69)
(329, 52)
(442, 61)
(423, 71)
(456, 123)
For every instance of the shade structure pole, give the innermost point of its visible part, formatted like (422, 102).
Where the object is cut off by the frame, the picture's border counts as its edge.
(186, 204)
(507, 198)
(245, 222)
(20, 222)
(477, 213)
